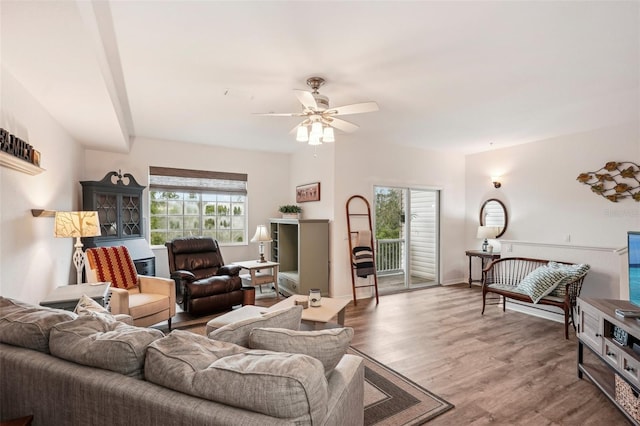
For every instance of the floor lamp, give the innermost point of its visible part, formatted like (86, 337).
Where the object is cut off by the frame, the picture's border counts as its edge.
(77, 224)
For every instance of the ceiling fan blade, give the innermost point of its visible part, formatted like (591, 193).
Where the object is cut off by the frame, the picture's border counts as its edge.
(306, 99)
(343, 125)
(280, 114)
(353, 108)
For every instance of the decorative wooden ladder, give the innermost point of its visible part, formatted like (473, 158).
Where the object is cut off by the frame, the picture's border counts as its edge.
(353, 213)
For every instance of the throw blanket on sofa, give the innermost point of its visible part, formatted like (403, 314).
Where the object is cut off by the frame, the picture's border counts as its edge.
(363, 254)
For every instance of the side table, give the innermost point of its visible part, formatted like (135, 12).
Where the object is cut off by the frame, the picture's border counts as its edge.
(67, 296)
(485, 257)
(256, 277)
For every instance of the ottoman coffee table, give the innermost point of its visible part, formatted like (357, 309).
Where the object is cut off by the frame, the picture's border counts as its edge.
(317, 317)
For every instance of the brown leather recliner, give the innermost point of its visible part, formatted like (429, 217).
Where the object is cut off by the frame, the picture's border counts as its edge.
(204, 285)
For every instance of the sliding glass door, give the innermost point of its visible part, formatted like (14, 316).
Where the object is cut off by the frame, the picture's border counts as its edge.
(406, 230)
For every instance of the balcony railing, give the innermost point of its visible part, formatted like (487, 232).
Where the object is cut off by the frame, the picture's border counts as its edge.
(389, 256)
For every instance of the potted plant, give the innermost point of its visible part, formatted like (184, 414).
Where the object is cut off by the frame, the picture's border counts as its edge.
(290, 211)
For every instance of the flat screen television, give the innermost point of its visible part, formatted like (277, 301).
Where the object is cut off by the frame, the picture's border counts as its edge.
(633, 249)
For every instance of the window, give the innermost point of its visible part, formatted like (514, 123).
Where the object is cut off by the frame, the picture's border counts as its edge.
(197, 203)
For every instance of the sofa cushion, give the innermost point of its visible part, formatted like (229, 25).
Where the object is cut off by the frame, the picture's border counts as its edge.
(572, 272)
(238, 332)
(29, 326)
(103, 343)
(258, 381)
(540, 282)
(327, 346)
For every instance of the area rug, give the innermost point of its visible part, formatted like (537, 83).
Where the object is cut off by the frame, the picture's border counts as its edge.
(392, 399)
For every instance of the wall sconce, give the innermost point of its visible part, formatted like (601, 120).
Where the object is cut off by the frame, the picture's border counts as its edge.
(43, 213)
(496, 181)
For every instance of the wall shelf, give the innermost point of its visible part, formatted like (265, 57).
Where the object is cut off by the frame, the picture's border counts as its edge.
(15, 163)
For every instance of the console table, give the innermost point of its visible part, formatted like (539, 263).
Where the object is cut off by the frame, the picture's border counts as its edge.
(485, 257)
(615, 368)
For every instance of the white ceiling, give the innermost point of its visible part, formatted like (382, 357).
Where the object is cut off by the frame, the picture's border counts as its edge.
(447, 75)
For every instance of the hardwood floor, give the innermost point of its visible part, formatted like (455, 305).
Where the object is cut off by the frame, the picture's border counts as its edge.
(501, 368)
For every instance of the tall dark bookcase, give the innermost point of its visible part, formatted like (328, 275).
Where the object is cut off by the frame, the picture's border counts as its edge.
(118, 200)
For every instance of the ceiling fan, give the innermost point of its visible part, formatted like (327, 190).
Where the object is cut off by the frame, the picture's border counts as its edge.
(319, 117)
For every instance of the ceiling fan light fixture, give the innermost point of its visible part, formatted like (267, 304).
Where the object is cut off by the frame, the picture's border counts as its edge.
(303, 134)
(316, 129)
(314, 139)
(328, 135)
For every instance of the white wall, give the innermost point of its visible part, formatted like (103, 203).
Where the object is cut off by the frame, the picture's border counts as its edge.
(268, 180)
(33, 261)
(359, 165)
(547, 205)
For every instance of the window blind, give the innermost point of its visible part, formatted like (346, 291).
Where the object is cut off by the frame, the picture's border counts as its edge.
(172, 179)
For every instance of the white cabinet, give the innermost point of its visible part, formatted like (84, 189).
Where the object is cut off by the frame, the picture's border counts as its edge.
(301, 246)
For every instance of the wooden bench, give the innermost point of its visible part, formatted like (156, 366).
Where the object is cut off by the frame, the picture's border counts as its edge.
(502, 277)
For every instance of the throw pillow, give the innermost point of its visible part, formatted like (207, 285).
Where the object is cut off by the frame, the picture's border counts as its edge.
(113, 264)
(107, 344)
(572, 272)
(540, 282)
(327, 346)
(29, 326)
(88, 306)
(238, 332)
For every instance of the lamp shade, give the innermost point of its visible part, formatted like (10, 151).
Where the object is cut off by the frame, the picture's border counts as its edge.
(488, 231)
(314, 139)
(262, 235)
(328, 135)
(76, 224)
(302, 134)
(316, 129)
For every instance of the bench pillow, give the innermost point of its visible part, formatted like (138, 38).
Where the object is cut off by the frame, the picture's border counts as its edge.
(29, 326)
(103, 343)
(572, 272)
(327, 346)
(540, 282)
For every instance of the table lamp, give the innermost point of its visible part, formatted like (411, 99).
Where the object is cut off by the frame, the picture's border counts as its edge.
(487, 232)
(77, 224)
(262, 236)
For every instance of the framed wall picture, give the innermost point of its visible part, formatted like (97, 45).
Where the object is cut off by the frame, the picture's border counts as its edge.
(308, 192)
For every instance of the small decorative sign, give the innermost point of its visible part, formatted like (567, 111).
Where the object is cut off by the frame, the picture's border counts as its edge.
(13, 145)
(308, 192)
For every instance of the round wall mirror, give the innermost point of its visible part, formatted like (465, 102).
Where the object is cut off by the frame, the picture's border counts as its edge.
(494, 213)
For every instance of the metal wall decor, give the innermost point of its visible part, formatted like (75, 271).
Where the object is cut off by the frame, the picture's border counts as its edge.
(615, 181)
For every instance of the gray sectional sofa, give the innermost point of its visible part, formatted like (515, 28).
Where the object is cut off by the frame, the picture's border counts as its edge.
(66, 369)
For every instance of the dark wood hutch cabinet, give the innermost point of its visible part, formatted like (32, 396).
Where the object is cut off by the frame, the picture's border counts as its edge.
(118, 200)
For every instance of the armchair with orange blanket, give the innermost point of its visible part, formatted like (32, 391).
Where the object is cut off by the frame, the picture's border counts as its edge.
(148, 300)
